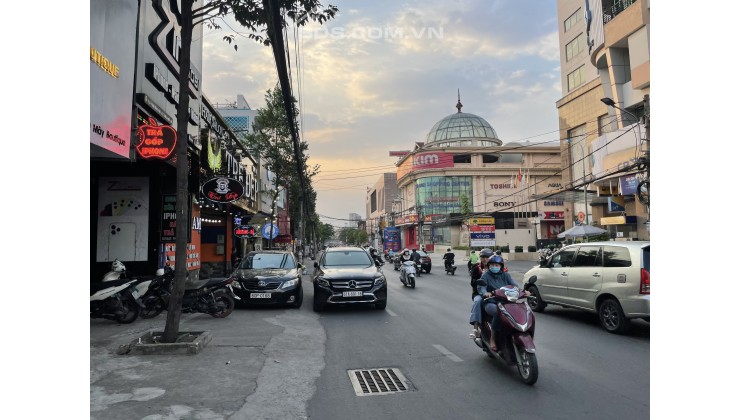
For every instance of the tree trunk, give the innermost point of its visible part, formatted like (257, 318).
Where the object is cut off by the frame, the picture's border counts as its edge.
(172, 327)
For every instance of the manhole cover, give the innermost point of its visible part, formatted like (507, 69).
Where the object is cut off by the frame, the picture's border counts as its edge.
(378, 381)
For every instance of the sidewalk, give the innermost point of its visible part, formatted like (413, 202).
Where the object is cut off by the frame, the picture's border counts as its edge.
(260, 364)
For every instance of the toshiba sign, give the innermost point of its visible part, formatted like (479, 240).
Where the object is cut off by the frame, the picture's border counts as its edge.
(431, 160)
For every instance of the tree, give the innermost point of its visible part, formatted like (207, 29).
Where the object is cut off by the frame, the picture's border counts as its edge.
(465, 210)
(255, 16)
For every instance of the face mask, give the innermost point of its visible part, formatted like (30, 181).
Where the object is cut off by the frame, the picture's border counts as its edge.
(495, 269)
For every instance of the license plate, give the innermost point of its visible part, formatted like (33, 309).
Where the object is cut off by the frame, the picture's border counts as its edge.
(351, 294)
(260, 295)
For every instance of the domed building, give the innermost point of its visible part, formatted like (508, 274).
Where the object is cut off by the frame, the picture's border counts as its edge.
(463, 168)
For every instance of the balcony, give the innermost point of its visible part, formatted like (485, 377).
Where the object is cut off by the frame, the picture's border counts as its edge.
(618, 6)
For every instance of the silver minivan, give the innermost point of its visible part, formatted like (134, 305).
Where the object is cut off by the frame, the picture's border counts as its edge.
(611, 279)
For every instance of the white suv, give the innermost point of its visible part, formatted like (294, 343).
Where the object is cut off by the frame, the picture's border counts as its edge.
(611, 279)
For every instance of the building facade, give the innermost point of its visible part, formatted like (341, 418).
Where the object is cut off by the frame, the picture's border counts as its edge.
(379, 206)
(463, 187)
(602, 146)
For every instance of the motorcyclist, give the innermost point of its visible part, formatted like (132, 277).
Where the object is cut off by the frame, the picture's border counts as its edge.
(473, 260)
(374, 255)
(417, 260)
(405, 256)
(449, 258)
(494, 278)
(477, 270)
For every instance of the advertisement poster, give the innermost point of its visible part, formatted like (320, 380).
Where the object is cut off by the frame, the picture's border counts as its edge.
(123, 219)
(392, 239)
(193, 252)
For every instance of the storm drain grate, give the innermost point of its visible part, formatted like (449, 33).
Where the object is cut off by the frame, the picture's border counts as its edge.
(378, 381)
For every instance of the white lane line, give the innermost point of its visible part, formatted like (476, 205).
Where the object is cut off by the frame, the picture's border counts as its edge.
(450, 355)
(391, 313)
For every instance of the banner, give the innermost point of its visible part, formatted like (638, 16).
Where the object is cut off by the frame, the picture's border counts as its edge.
(628, 184)
(392, 239)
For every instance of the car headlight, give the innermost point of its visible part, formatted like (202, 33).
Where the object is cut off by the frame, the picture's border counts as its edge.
(379, 280)
(289, 283)
(322, 282)
(235, 283)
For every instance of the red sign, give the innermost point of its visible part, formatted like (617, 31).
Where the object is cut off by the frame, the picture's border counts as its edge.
(156, 141)
(553, 215)
(430, 160)
(245, 231)
(483, 228)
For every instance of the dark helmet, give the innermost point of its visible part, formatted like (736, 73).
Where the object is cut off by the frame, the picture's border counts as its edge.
(496, 260)
(486, 252)
(413, 249)
(449, 249)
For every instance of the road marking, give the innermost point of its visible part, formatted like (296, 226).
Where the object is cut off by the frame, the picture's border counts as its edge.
(450, 355)
(391, 313)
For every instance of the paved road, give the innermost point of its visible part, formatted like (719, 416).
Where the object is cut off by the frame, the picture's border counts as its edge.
(293, 364)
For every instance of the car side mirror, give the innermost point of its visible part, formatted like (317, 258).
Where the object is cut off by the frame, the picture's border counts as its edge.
(315, 264)
(299, 265)
(543, 263)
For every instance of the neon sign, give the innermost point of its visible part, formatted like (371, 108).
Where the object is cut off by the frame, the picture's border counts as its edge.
(156, 141)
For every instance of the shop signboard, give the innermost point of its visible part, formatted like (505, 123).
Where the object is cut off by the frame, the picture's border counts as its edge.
(245, 232)
(392, 239)
(483, 239)
(156, 141)
(482, 228)
(266, 231)
(628, 184)
(482, 221)
(222, 189)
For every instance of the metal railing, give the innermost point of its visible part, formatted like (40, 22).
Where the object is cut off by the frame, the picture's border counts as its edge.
(618, 7)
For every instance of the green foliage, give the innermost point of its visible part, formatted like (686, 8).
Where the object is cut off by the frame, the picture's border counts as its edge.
(518, 248)
(461, 248)
(531, 248)
(505, 248)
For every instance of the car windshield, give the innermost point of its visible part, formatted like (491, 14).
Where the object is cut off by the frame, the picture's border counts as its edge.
(258, 261)
(347, 258)
(422, 254)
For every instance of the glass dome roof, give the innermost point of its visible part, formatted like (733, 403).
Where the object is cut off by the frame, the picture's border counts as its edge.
(461, 125)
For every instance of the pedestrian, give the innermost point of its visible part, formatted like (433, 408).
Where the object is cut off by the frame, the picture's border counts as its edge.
(234, 257)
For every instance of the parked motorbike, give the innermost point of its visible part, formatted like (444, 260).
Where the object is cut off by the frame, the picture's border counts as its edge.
(151, 306)
(408, 274)
(515, 340)
(450, 267)
(210, 296)
(115, 300)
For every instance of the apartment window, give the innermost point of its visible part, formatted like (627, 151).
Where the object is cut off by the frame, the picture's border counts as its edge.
(605, 124)
(574, 47)
(573, 19)
(576, 78)
(373, 202)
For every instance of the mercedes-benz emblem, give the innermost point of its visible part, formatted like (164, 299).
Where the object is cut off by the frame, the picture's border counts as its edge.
(352, 284)
(261, 283)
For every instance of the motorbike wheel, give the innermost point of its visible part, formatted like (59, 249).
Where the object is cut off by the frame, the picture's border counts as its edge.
(223, 298)
(526, 363)
(131, 311)
(535, 300)
(152, 307)
(612, 318)
(412, 282)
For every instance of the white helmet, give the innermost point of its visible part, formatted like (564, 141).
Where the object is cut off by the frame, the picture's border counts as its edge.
(405, 250)
(117, 266)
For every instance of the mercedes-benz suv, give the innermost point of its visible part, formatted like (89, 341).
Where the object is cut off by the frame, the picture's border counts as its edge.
(348, 275)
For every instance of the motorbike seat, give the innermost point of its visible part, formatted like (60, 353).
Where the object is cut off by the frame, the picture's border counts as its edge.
(95, 287)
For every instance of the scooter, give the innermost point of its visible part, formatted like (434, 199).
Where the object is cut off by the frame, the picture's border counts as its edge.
(149, 307)
(210, 296)
(408, 274)
(450, 267)
(515, 341)
(114, 300)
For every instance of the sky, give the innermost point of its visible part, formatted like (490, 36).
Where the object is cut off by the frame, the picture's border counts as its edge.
(382, 73)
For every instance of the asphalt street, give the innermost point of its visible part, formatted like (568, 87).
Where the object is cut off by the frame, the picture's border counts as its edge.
(274, 363)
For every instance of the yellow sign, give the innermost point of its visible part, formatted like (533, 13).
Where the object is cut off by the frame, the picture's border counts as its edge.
(482, 221)
(616, 220)
(103, 62)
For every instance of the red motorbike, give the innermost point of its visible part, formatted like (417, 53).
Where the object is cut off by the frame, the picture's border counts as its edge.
(515, 339)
